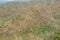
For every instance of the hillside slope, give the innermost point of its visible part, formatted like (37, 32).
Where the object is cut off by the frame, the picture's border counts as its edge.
(29, 22)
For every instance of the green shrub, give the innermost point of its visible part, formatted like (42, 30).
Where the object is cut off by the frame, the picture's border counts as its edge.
(57, 35)
(41, 29)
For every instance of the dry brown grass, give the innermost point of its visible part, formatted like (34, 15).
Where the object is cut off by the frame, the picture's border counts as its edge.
(29, 22)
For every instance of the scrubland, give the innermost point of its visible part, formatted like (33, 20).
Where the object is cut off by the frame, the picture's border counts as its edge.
(29, 21)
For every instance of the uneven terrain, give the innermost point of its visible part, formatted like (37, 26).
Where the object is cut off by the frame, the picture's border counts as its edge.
(32, 21)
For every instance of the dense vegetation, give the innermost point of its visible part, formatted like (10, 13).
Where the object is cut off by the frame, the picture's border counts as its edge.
(30, 21)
